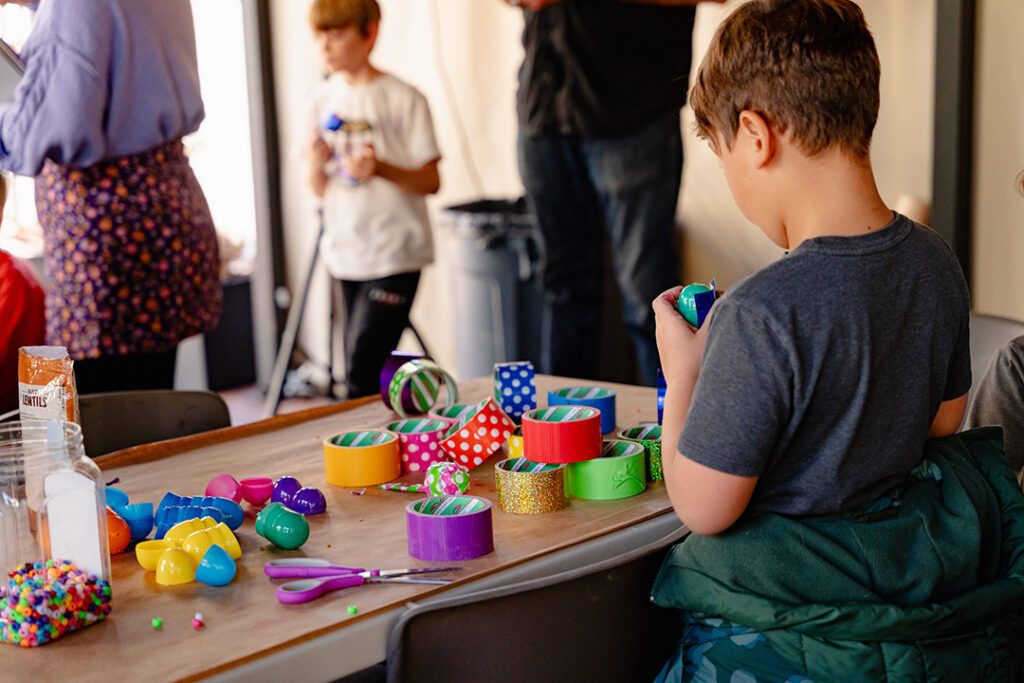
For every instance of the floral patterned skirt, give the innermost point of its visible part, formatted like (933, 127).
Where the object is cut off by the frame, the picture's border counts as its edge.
(131, 254)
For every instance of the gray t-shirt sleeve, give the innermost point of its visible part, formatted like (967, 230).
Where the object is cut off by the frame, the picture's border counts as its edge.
(959, 379)
(742, 397)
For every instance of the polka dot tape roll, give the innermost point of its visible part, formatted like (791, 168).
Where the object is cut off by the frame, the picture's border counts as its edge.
(454, 414)
(561, 434)
(650, 437)
(529, 488)
(419, 441)
(618, 473)
(594, 397)
(514, 445)
(479, 436)
(423, 378)
(514, 388)
(448, 528)
(362, 458)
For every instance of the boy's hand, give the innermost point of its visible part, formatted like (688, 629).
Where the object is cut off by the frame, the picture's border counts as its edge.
(319, 152)
(361, 163)
(680, 346)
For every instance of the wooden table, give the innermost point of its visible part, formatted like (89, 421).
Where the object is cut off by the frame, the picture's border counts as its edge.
(248, 634)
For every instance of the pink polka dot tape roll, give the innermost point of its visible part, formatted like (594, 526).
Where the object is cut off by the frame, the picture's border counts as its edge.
(44, 600)
(480, 436)
(419, 440)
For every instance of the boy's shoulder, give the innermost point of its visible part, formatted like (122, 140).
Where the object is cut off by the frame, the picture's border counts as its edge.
(832, 267)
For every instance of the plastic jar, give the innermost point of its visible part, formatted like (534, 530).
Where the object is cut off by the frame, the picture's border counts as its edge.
(52, 500)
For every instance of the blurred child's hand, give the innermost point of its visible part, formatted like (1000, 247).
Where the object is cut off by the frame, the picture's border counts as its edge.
(680, 346)
(319, 152)
(361, 163)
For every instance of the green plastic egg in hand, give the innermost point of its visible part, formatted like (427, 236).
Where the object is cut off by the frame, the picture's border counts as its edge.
(694, 302)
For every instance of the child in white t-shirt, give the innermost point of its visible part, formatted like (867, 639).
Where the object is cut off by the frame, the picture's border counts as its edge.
(373, 160)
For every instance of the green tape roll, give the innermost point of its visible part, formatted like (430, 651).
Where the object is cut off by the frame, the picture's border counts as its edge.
(650, 437)
(424, 378)
(617, 473)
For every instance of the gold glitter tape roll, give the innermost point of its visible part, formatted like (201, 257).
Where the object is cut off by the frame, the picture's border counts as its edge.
(530, 488)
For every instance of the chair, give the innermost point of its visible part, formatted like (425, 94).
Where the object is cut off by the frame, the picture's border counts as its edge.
(592, 623)
(988, 334)
(121, 419)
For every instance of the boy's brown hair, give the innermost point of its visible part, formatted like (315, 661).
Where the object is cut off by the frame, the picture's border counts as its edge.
(807, 66)
(325, 15)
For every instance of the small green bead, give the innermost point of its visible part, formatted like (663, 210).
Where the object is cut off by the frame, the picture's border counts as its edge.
(352, 609)
(157, 622)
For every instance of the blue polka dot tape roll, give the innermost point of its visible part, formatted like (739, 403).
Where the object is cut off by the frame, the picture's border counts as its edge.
(514, 388)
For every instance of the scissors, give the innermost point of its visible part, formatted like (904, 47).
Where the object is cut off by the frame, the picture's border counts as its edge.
(320, 576)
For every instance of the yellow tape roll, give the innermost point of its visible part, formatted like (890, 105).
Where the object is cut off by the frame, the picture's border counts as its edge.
(365, 457)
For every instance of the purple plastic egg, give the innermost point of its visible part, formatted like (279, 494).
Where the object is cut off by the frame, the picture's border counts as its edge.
(308, 501)
(284, 489)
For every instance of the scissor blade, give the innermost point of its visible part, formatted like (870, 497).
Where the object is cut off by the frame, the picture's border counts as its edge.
(414, 570)
(407, 579)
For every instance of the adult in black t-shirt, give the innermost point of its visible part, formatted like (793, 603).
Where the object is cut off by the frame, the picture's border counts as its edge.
(600, 89)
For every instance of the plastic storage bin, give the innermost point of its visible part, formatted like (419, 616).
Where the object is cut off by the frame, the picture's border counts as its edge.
(493, 251)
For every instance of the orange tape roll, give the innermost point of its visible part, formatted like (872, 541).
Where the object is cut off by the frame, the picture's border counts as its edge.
(362, 458)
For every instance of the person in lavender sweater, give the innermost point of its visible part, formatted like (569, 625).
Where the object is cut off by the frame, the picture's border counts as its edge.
(110, 87)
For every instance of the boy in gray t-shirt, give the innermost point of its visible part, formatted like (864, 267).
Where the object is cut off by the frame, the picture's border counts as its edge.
(815, 383)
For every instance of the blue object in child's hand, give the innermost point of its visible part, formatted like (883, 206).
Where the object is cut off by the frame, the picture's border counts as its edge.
(695, 301)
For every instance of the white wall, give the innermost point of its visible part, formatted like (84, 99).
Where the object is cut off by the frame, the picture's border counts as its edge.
(998, 216)
(463, 54)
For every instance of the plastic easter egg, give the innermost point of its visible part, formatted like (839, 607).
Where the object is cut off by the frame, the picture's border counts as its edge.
(175, 567)
(118, 533)
(225, 486)
(148, 553)
(447, 479)
(284, 489)
(282, 527)
(257, 490)
(180, 531)
(169, 516)
(198, 542)
(222, 536)
(139, 517)
(308, 501)
(216, 568)
(687, 303)
(116, 498)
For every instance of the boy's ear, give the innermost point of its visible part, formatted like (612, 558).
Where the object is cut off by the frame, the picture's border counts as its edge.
(758, 137)
(371, 31)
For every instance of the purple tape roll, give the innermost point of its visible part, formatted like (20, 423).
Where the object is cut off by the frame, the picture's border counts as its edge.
(396, 360)
(449, 528)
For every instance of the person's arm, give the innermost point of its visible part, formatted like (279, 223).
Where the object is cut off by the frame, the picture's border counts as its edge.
(422, 180)
(949, 416)
(364, 164)
(706, 500)
(319, 155)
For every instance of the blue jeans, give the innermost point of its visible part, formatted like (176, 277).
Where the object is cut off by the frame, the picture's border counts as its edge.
(629, 187)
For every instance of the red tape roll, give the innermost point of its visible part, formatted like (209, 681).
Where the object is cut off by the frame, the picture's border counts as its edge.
(562, 434)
